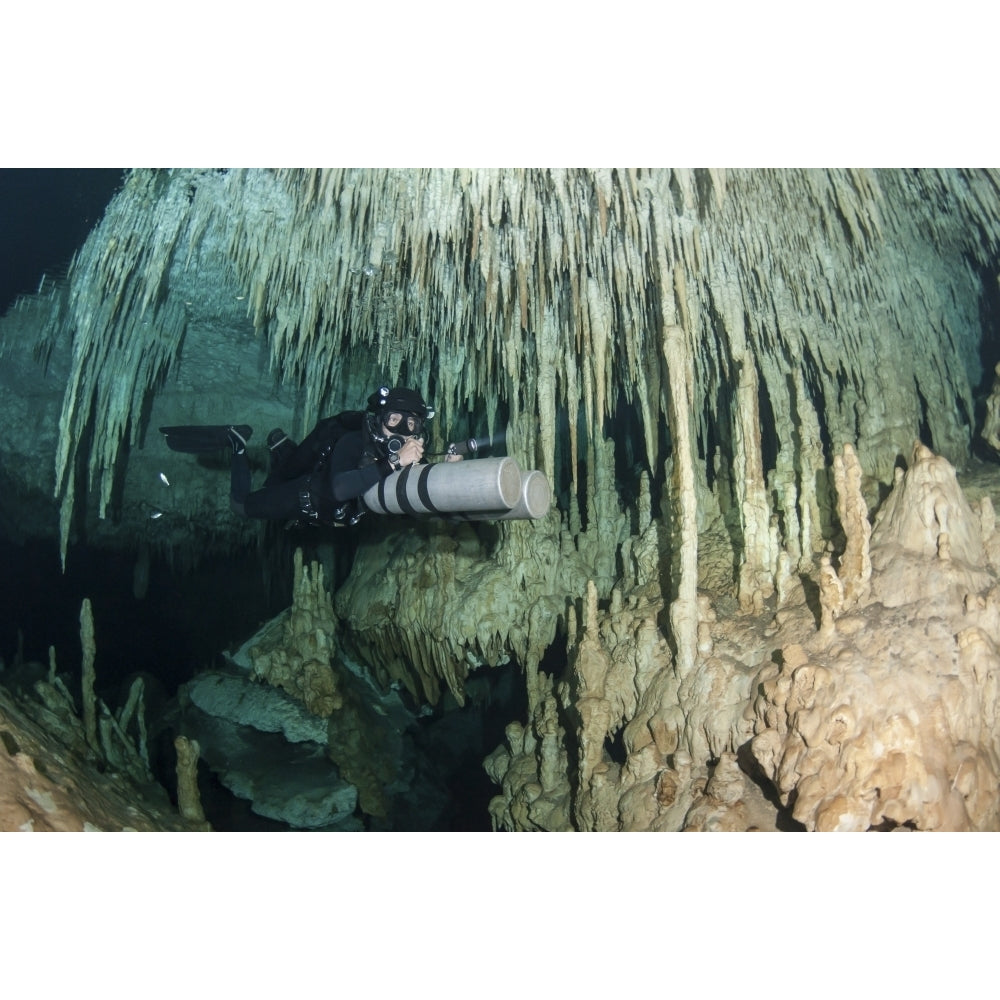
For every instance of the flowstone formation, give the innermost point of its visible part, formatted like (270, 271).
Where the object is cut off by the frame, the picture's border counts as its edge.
(874, 710)
(432, 603)
(717, 371)
(888, 717)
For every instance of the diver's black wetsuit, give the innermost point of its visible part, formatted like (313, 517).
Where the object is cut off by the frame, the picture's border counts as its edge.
(307, 488)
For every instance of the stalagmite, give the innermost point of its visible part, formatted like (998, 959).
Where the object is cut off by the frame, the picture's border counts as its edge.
(683, 611)
(888, 720)
(135, 708)
(89, 648)
(925, 504)
(756, 572)
(808, 459)
(855, 563)
(188, 797)
(831, 594)
(595, 710)
(298, 653)
(50, 782)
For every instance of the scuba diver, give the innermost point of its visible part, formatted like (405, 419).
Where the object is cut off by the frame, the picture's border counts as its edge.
(321, 480)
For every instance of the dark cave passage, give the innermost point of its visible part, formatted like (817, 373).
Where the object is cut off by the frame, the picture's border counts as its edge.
(183, 625)
(45, 215)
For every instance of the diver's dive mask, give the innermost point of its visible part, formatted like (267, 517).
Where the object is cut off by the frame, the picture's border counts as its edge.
(403, 422)
(404, 426)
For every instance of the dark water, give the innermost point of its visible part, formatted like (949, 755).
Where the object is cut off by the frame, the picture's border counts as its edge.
(45, 216)
(183, 625)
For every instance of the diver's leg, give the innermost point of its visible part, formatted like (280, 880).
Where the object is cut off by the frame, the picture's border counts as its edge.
(295, 460)
(238, 436)
(281, 448)
(239, 482)
(277, 501)
(301, 459)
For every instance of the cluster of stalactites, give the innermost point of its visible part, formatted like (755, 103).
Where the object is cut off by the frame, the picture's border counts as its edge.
(535, 296)
(124, 333)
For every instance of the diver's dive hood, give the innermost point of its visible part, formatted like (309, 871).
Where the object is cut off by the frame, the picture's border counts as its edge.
(401, 400)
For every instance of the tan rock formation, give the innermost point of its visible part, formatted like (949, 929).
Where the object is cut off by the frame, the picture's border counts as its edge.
(877, 715)
(300, 653)
(888, 719)
(297, 652)
(49, 784)
(729, 803)
(855, 564)
(188, 796)
(430, 605)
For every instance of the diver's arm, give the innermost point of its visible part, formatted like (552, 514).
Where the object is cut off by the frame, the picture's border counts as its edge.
(347, 481)
(357, 482)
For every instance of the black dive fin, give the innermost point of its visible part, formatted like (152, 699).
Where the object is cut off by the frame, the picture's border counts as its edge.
(200, 439)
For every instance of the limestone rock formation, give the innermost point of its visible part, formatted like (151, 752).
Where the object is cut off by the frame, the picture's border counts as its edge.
(188, 795)
(83, 766)
(890, 717)
(297, 653)
(881, 717)
(719, 372)
(250, 738)
(294, 759)
(51, 781)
